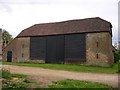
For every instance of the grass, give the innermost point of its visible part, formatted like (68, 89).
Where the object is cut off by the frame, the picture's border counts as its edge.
(9, 83)
(69, 67)
(78, 84)
(7, 75)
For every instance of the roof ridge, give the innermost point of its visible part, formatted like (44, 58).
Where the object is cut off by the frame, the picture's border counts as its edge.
(70, 26)
(67, 21)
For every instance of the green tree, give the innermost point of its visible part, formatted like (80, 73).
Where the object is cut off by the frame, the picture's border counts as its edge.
(7, 38)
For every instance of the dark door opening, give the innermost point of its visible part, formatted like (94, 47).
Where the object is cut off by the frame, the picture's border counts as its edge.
(9, 56)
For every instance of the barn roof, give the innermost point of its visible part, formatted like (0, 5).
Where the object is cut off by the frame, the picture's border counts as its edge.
(65, 27)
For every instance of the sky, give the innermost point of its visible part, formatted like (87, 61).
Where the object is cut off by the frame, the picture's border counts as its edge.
(17, 15)
(119, 25)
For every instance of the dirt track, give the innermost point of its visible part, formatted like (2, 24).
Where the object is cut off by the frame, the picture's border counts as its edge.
(44, 77)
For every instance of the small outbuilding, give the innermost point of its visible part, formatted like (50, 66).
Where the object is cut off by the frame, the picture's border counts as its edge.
(87, 41)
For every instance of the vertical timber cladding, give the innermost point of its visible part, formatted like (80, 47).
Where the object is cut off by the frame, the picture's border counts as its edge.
(47, 48)
(38, 48)
(55, 49)
(75, 48)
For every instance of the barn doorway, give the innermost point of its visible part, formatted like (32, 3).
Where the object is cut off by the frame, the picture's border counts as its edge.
(51, 49)
(55, 49)
(9, 56)
(75, 47)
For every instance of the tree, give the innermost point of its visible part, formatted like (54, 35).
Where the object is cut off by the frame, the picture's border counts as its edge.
(116, 46)
(6, 37)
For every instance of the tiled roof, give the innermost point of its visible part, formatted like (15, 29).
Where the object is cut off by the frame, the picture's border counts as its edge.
(72, 26)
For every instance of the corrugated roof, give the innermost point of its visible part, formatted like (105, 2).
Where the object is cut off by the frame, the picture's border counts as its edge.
(72, 26)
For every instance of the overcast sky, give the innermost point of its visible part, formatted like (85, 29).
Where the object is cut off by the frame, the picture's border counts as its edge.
(16, 15)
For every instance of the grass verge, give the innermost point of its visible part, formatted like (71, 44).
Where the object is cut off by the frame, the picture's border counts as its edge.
(69, 67)
(78, 84)
(13, 81)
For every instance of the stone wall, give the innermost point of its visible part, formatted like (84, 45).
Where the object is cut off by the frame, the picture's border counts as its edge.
(23, 48)
(11, 47)
(19, 48)
(99, 49)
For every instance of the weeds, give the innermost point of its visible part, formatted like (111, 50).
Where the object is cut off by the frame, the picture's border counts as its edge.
(11, 81)
(77, 84)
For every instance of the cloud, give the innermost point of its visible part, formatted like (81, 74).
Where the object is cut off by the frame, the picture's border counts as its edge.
(25, 13)
(19, 2)
(119, 22)
(4, 7)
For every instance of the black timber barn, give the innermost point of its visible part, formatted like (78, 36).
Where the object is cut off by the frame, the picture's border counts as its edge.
(75, 41)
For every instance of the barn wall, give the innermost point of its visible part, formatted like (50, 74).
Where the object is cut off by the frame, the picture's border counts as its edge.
(70, 48)
(92, 48)
(75, 48)
(37, 49)
(47, 49)
(99, 49)
(11, 47)
(23, 49)
(55, 49)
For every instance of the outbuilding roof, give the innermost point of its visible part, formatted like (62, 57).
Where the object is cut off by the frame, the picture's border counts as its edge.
(66, 27)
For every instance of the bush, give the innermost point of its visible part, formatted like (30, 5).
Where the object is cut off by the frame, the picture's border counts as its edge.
(116, 56)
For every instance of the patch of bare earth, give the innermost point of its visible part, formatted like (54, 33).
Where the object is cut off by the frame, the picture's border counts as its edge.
(44, 77)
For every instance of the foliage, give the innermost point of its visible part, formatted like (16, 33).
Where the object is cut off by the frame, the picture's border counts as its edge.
(9, 83)
(116, 56)
(71, 67)
(6, 37)
(77, 84)
(6, 74)
(18, 75)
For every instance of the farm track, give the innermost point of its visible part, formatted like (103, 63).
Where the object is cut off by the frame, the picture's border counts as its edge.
(44, 77)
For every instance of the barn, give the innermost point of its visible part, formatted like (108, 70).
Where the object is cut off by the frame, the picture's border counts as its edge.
(82, 41)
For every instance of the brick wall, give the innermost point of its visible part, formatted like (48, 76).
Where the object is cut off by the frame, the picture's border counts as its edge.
(23, 48)
(11, 47)
(99, 49)
(19, 48)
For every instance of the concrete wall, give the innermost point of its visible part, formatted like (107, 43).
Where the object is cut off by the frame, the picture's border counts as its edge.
(99, 49)
(23, 48)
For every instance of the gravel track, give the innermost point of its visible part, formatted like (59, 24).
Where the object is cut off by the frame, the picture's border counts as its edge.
(45, 77)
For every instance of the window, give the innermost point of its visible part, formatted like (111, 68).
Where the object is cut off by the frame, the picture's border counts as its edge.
(22, 55)
(97, 55)
(97, 44)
